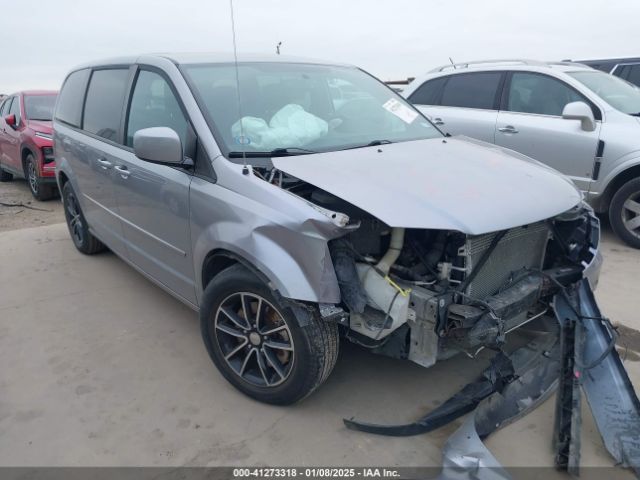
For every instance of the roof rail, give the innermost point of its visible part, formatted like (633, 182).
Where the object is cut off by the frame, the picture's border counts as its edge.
(516, 61)
(569, 63)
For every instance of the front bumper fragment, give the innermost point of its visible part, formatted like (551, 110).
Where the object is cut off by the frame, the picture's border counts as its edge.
(504, 394)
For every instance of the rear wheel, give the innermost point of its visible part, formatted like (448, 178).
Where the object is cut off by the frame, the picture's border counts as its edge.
(39, 190)
(257, 343)
(624, 213)
(77, 224)
(5, 176)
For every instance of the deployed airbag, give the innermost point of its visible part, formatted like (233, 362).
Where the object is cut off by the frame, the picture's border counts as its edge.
(291, 126)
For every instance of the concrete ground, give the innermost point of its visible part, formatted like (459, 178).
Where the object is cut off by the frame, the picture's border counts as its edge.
(19, 209)
(98, 367)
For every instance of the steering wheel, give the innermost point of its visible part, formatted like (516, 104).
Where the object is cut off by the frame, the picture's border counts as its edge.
(360, 115)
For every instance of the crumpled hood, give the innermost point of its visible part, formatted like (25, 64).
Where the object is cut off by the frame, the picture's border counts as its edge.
(449, 184)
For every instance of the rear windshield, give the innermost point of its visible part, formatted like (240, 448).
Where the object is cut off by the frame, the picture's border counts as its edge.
(39, 107)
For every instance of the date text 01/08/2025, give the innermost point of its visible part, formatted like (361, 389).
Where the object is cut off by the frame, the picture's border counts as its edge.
(315, 472)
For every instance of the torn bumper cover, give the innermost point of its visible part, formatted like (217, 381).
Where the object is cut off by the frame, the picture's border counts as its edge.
(501, 373)
(610, 394)
(517, 383)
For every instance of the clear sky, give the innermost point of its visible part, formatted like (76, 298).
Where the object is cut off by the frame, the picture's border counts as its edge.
(42, 39)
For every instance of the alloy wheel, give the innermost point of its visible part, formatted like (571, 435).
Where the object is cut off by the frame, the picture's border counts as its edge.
(32, 176)
(72, 212)
(254, 339)
(631, 214)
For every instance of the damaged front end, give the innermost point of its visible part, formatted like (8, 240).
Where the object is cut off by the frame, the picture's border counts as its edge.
(425, 295)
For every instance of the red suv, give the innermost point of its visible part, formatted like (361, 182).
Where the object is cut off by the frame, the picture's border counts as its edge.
(26, 146)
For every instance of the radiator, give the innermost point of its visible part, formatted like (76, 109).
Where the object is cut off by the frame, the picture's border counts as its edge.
(520, 248)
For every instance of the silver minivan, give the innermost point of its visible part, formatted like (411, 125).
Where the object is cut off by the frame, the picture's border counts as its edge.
(292, 202)
(578, 120)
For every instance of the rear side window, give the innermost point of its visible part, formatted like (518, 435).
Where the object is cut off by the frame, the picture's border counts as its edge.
(69, 105)
(105, 99)
(540, 94)
(153, 104)
(429, 92)
(472, 90)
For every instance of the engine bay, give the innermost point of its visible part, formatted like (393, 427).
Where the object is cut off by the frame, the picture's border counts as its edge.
(425, 294)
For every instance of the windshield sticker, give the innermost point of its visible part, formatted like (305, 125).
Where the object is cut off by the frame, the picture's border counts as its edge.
(400, 110)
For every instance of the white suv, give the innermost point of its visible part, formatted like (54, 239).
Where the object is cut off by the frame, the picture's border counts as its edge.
(578, 120)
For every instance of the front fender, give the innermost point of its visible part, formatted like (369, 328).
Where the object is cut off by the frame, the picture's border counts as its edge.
(608, 173)
(286, 242)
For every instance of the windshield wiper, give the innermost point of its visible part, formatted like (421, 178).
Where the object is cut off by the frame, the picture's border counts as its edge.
(276, 152)
(372, 143)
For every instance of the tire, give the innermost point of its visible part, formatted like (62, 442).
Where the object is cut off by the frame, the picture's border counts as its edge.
(39, 190)
(624, 213)
(312, 349)
(5, 176)
(84, 241)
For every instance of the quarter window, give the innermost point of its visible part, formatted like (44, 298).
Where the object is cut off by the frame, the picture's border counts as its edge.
(105, 98)
(153, 104)
(622, 72)
(634, 74)
(472, 90)
(429, 92)
(69, 105)
(5, 106)
(540, 94)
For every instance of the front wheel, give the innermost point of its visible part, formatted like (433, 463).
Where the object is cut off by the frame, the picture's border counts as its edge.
(39, 190)
(257, 342)
(624, 213)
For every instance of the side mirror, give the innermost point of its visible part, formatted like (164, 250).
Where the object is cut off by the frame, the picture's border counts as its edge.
(158, 144)
(580, 111)
(11, 120)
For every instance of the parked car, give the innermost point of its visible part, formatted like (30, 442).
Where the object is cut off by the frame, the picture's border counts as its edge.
(626, 68)
(287, 216)
(26, 142)
(578, 120)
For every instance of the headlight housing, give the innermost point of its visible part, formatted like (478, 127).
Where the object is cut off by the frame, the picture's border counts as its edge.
(47, 155)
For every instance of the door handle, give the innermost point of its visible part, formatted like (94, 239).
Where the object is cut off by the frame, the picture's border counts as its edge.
(437, 121)
(123, 171)
(508, 129)
(104, 164)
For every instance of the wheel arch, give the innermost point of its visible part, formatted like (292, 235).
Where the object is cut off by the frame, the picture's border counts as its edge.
(281, 271)
(63, 178)
(25, 150)
(220, 259)
(612, 186)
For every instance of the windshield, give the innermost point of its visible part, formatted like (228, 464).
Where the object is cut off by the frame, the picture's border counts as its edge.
(301, 108)
(618, 93)
(39, 107)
